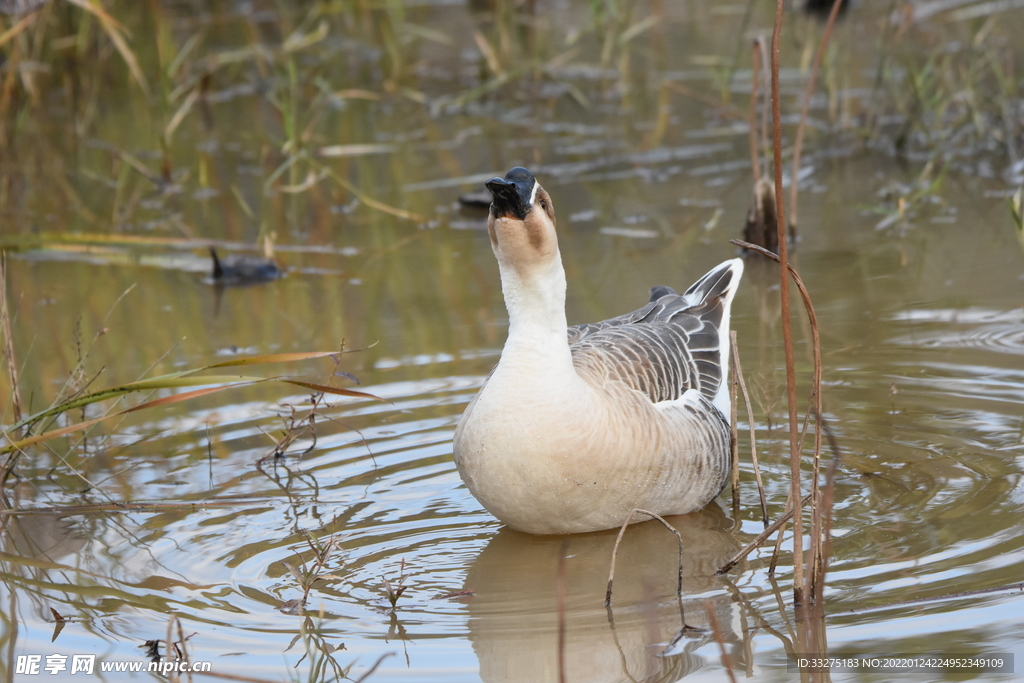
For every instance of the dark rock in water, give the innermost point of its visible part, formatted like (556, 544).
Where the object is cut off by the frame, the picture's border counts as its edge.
(236, 269)
(477, 199)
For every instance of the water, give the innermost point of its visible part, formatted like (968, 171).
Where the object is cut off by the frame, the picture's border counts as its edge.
(183, 511)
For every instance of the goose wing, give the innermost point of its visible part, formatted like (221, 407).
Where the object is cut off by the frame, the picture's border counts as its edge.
(674, 343)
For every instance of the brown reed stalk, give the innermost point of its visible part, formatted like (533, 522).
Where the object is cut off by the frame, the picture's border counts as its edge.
(787, 330)
(755, 95)
(765, 63)
(817, 557)
(805, 109)
(717, 632)
(761, 537)
(777, 552)
(5, 322)
(738, 370)
(818, 580)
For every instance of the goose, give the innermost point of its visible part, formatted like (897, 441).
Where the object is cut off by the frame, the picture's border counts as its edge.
(577, 426)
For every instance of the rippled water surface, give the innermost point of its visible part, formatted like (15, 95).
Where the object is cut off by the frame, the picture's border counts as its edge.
(183, 510)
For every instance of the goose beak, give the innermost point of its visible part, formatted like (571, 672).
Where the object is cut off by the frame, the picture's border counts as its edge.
(513, 195)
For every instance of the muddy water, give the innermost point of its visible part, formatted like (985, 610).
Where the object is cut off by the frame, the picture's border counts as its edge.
(922, 316)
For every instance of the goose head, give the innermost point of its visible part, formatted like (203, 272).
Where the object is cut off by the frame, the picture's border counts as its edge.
(521, 223)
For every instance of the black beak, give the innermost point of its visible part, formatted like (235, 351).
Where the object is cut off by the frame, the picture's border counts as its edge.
(513, 193)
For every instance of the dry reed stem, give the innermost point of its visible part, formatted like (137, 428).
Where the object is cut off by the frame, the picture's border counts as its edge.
(765, 63)
(818, 582)
(738, 370)
(760, 624)
(560, 607)
(794, 642)
(777, 552)
(167, 644)
(179, 654)
(615, 552)
(804, 111)
(814, 639)
(717, 631)
(787, 331)
(817, 558)
(753, 545)
(184, 648)
(755, 95)
(5, 322)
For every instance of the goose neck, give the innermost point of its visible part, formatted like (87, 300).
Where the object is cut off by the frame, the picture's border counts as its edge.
(535, 300)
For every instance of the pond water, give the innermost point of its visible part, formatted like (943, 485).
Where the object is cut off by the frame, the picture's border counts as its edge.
(182, 510)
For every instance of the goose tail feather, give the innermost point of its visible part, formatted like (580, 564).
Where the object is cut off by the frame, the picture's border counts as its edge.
(720, 283)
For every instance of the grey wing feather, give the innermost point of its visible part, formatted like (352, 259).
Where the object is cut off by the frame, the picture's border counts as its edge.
(670, 345)
(649, 312)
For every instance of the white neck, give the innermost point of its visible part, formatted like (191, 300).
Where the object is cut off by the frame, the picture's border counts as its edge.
(535, 300)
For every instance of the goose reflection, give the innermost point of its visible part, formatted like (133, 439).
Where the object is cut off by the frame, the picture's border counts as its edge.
(513, 622)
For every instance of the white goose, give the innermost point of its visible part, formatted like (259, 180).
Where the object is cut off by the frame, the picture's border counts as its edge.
(576, 426)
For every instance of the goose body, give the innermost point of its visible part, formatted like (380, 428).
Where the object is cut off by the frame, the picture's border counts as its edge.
(577, 426)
